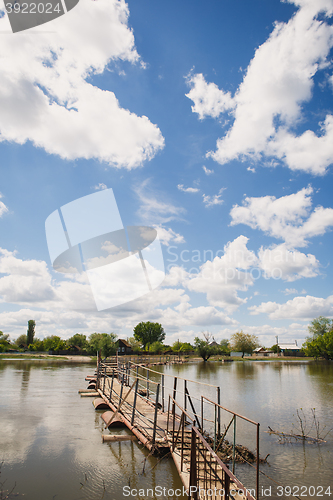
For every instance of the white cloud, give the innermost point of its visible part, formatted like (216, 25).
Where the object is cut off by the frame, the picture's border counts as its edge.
(268, 103)
(287, 218)
(290, 291)
(100, 186)
(45, 96)
(207, 171)
(208, 99)
(167, 236)
(187, 190)
(3, 208)
(210, 201)
(67, 306)
(222, 278)
(306, 308)
(281, 263)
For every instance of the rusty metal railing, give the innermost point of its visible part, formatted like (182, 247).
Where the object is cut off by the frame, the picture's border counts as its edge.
(205, 469)
(217, 443)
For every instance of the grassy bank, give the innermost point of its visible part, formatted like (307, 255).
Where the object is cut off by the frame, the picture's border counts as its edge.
(31, 356)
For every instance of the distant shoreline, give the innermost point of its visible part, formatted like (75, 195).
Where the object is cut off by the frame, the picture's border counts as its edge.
(24, 356)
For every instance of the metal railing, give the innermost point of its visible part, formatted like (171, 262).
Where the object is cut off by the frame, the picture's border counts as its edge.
(205, 469)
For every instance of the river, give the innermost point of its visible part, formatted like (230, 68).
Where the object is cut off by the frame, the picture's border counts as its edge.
(50, 437)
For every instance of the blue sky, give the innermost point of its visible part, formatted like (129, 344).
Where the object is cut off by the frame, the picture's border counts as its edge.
(212, 122)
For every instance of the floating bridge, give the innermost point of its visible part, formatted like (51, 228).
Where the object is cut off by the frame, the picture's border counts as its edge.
(171, 414)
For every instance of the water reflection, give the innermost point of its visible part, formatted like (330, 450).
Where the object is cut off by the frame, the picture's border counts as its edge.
(25, 378)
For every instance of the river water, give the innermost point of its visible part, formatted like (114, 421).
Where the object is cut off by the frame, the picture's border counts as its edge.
(50, 437)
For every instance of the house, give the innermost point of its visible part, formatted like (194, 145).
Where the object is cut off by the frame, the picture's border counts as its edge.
(290, 348)
(261, 351)
(214, 344)
(124, 347)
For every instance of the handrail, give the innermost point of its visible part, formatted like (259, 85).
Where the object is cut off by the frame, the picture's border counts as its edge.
(221, 464)
(230, 411)
(168, 375)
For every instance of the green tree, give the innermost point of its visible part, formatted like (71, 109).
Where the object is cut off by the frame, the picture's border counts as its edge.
(31, 331)
(135, 344)
(52, 342)
(319, 326)
(320, 344)
(21, 340)
(275, 348)
(104, 342)
(78, 340)
(148, 333)
(203, 348)
(38, 345)
(156, 347)
(224, 347)
(244, 342)
(4, 342)
(181, 346)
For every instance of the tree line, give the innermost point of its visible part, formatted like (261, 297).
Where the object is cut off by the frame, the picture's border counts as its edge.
(149, 337)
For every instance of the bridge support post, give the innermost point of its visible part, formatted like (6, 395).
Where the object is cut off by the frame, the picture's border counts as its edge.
(193, 469)
(134, 402)
(110, 397)
(218, 412)
(163, 392)
(155, 414)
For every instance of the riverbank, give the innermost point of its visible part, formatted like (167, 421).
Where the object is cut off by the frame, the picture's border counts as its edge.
(31, 356)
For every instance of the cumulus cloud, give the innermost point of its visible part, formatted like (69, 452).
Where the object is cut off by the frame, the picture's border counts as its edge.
(287, 218)
(208, 99)
(63, 306)
(216, 199)
(3, 208)
(222, 278)
(268, 103)
(46, 94)
(306, 308)
(281, 263)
